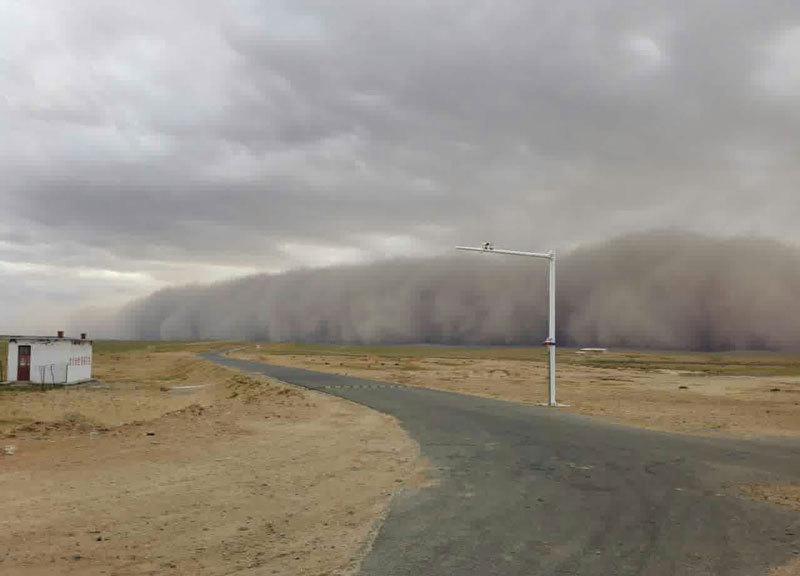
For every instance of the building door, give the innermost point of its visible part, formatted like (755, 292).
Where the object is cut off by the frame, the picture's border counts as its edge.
(24, 364)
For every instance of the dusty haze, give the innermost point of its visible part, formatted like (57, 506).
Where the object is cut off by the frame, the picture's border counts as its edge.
(649, 290)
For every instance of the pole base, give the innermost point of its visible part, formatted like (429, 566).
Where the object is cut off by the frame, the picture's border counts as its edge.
(556, 405)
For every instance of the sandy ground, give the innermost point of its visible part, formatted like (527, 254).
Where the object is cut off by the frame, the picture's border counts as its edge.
(790, 569)
(131, 387)
(239, 475)
(786, 495)
(661, 400)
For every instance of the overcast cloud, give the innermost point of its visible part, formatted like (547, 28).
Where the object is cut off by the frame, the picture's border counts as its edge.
(146, 144)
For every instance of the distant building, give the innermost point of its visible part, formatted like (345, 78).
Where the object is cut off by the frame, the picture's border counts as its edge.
(49, 359)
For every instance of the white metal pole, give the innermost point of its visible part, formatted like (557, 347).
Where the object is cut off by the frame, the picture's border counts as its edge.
(551, 396)
(551, 296)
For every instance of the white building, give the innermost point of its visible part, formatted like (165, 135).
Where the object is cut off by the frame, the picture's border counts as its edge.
(48, 359)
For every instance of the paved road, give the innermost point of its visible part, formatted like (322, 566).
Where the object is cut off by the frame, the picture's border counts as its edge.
(524, 490)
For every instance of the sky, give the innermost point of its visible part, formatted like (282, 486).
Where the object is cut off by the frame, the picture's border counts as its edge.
(151, 144)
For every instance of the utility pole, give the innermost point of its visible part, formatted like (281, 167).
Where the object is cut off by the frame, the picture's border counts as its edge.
(551, 295)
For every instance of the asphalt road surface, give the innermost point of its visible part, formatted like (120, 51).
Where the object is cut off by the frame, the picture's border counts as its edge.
(527, 490)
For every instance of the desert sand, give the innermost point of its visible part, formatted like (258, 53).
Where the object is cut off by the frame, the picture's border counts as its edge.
(138, 474)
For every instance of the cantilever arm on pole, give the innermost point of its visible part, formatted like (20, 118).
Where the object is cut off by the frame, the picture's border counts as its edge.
(551, 323)
(546, 255)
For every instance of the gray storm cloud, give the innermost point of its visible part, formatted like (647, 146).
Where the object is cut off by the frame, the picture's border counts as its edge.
(150, 144)
(649, 290)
